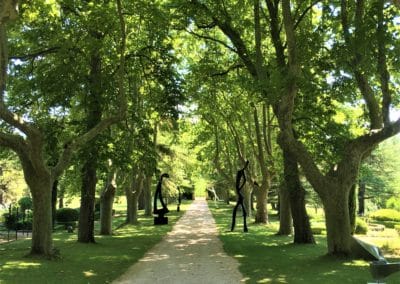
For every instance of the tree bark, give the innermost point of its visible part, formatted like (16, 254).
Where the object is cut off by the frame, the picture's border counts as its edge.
(148, 210)
(301, 222)
(86, 213)
(129, 203)
(106, 208)
(285, 215)
(89, 178)
(54, 201)
(352, 208)
(337, 222)
(261, 215)
(133, 191)
(136, 189)
(40, 187)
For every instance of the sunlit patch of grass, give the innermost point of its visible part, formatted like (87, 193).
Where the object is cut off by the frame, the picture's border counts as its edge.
(102, 262)
(268, 258)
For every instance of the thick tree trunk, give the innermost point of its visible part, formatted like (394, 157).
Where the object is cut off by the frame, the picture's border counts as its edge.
(106, 208)
(86, 213)
(89, 179)
(285, 215)
(337, 222)
(132, 193)
(148, 210)
(41, 188)
(261, 204)
(301, 222)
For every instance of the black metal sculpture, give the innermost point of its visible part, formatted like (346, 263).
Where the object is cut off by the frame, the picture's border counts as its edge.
(160, 219)
(240, 182)
(380, 268)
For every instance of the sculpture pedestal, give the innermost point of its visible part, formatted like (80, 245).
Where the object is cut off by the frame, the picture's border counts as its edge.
(160, 220)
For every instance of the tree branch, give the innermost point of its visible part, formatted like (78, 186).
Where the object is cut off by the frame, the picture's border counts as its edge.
(35, 54)
(231, 68)
(234, 37)
(384, 75)
(361, 80)
(212, 39)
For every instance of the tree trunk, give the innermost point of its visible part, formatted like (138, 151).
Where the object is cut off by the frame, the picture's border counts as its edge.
(301, 222)
(352, 209)
(141, 201)
(133, 193)
(285, 215)
(137, 191)
(261, 215)
(86, 213)
(129, 204)
(361, 198)
(61, 199)
(262, 193)
(54, 202)
(148, 210)
(337, 222)
(41, 187)
(89, 179)
(106, 208)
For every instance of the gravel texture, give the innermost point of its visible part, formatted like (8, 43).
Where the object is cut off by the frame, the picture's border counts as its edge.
(190, 253)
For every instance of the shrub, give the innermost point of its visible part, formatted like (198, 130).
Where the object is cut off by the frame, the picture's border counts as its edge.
(397, 228)
(10, 221)
(67, 216)
(361, 227)
(386, 215)
(25, 203)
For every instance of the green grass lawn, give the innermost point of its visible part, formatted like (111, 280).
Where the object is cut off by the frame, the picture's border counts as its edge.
(84, 263)
(267, 258)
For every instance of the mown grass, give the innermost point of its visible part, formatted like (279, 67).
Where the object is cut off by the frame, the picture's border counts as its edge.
(267, 258)
(84, 263)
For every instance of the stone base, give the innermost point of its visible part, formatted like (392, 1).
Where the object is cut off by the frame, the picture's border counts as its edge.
(161, 220)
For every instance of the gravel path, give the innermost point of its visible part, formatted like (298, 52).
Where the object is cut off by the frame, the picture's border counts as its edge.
(190, 253)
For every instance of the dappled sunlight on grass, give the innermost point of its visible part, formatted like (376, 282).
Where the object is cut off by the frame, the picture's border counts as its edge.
(89, 273)
(83, 263)
(268, 258)
(19, 265)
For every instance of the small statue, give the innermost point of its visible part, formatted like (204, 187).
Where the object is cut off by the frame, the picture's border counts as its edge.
(240, 182)
(160, 219)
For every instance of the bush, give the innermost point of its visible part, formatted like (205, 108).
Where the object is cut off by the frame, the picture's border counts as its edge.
(10, 221)
(67, 216)
(386, 215)
(25, 203)
(361, 227)
(397, 228)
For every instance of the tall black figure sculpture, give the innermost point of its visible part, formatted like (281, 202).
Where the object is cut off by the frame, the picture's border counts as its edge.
(160, 219)
(240, 182)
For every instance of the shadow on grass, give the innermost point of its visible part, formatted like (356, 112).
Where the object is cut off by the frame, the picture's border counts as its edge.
(267, 258)
(101, 262)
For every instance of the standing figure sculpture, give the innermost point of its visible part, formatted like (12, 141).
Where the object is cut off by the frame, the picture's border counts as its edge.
(160, 219)
(240, 182)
